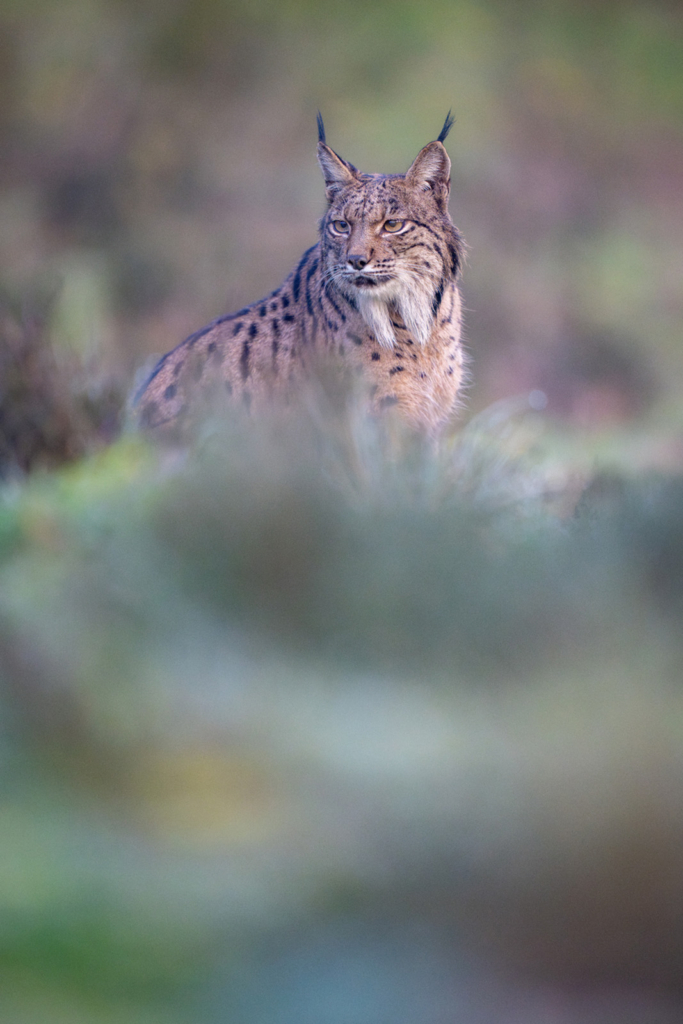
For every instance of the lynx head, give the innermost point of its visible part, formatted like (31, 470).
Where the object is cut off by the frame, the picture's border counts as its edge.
(387, 240)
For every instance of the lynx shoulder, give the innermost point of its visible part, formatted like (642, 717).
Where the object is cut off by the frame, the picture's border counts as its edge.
(379, 290)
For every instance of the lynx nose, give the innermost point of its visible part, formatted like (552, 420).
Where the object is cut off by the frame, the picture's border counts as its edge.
(357, 262)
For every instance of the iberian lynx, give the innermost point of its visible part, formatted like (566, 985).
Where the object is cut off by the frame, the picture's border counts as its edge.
(379, 290)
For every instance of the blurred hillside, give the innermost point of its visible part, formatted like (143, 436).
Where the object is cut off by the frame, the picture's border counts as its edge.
(157, 168)
(315, 725)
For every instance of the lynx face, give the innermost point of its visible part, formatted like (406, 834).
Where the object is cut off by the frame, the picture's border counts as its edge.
(387, 240)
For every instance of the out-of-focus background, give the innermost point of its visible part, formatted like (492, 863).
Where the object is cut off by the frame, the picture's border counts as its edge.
(309, 724)
(157, 163)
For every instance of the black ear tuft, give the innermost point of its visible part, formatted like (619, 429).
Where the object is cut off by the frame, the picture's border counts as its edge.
(321, 128)
(447, 125)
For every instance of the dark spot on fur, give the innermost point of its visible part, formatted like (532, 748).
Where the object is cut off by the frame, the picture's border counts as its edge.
(288, 318)
(211, 347)
(375, 357)
(273, 307)
(244, 357)
(242, 312)
(285, 301)
(354, 338)
(296, 283)
(438, 295)
(170, 391)
(237, 328)
(311, 270)
(275, 326)
(423, 376)
(396, 369)
(262, 311)
(253, 330)
(334, 305)
(450, 371)
(178, 367)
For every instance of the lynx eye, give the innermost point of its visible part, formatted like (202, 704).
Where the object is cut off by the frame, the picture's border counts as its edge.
(393, 225)
(340, 227)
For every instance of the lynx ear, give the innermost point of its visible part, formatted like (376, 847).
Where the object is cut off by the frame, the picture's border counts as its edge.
(336, 172)
(431, 170)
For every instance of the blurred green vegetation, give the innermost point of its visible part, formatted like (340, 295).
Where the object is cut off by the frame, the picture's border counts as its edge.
(310, 679)
(306, 722)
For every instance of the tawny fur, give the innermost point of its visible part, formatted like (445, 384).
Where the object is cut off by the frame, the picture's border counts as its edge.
(383, 299)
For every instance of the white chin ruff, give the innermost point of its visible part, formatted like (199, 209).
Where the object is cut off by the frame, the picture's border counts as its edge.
(375, 312)
(413, 305)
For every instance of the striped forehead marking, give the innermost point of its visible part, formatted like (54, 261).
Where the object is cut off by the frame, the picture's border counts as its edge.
(372, 189)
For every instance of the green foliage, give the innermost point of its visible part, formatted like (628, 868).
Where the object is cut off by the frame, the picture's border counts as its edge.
(309, 656)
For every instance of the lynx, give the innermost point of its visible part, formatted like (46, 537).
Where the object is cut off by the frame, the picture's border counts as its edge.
(379, 291)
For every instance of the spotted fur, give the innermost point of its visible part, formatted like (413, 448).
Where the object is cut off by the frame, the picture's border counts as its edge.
(379, 289)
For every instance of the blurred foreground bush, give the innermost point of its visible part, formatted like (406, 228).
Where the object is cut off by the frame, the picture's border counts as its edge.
(51, 410)
(310, 724)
